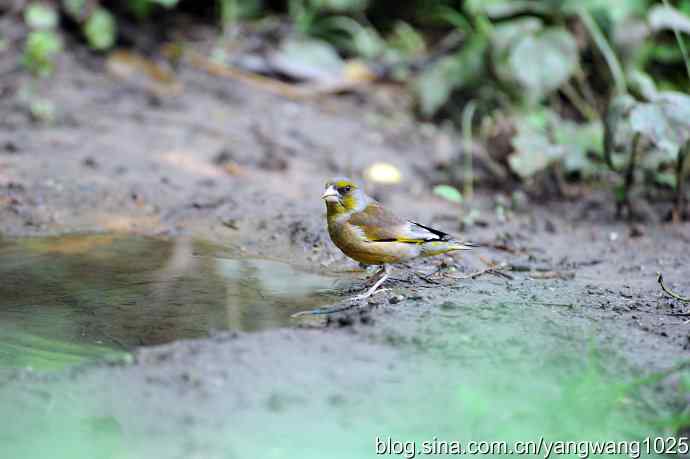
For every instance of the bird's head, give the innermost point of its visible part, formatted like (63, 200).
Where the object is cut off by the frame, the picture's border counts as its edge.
(343, 195)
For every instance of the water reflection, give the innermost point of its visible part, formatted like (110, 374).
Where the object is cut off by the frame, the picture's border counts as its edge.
(118, 292)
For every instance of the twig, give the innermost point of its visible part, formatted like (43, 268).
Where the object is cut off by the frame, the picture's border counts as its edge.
(660, 280)
(495, 270)
(323, 311)
(426, 278)
(629, 177)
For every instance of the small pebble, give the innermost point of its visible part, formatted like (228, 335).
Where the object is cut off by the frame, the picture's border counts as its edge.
(636, 231)
(90, 162)
(446, 305)
(395, 299)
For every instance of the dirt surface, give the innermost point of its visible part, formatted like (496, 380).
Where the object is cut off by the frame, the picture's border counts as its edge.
(233, 165)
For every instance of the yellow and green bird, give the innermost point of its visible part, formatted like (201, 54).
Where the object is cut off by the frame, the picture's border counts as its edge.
(371, 234)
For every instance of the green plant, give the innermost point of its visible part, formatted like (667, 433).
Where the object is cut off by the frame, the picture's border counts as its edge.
(100, 29)
(143, 8)
(660, 120)
(662, 124)
(42, 43)
(449, 193)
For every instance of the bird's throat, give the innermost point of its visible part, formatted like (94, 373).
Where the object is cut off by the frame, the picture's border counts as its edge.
(334, 208)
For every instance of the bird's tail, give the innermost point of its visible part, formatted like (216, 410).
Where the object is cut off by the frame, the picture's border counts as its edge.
(439, 247)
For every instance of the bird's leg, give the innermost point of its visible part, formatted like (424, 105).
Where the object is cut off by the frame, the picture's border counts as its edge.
(376, 276)
(384, 273)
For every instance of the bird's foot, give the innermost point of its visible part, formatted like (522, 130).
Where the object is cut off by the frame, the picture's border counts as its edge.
(375, 288)
(352, 302)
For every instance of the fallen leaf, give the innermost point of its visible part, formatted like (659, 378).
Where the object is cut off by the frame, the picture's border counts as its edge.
(448, 193)
(308, 60)
(383, 173)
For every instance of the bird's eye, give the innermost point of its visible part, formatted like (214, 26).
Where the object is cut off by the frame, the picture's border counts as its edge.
(345, 189)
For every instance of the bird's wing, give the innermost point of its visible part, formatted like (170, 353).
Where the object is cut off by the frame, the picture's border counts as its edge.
(381, 225)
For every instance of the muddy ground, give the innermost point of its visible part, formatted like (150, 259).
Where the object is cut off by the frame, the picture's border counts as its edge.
(243, 168)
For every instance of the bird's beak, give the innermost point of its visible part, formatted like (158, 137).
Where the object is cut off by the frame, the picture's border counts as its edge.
(331, 194)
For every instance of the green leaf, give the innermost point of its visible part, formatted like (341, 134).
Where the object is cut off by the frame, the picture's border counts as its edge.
(166, 3)
(543, 61)
(74, 8)
(42, 110)
(39, 51)
(579, 140)
(407, 40)
(668, 18)
(534, 150)
(666, 178)
(367, 43)
(616, 11)
(40, 16)
(349, 35)
(505, 34)
(664, 121)
(436, 84)
(496, 9)
(308, 59)
(503, 39)
(641, 83)
(100, 29)
(140, 8)
(449, 193)
(341, 6)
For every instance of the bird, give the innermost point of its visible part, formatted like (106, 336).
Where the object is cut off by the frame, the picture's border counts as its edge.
(367, 232)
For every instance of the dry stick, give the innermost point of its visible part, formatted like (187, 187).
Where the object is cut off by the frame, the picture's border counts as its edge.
(660, 280)
(491, 268)
(629, 176)
(426, 278)
(496, 271)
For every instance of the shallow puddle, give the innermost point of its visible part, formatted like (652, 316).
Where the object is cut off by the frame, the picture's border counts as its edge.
(469, 369)
(66, 299)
